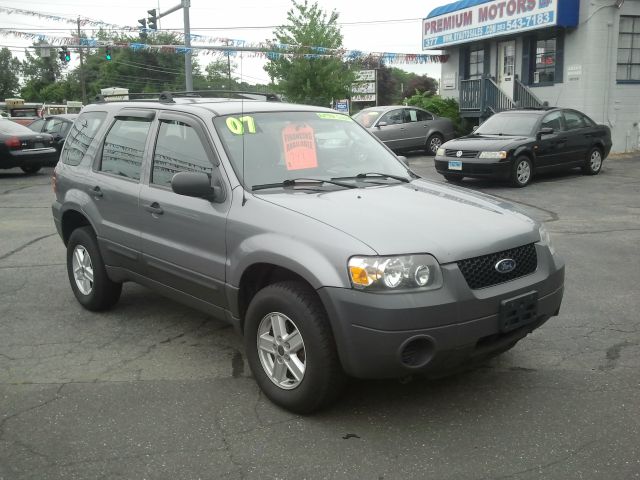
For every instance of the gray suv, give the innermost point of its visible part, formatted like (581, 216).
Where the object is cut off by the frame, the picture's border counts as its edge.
(302, 230)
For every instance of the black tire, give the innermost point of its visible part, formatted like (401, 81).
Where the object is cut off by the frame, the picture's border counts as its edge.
(434, 142)
(323, 379)
(103, 293)
(30, 170)
(593, 162)
(453, 178)
(519, 176)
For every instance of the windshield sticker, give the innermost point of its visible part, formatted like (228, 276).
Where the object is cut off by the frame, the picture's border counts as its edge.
(334, 116)
(237, 125)
(299, 147)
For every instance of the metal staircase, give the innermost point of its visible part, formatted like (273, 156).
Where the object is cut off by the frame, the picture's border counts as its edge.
(482, 97)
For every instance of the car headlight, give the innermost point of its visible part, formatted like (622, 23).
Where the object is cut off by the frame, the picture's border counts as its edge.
(395, 273)
(500, 154)
(440, 152)
(545, 239)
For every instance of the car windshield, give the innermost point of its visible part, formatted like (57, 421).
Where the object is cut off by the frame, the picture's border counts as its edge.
(367, 117)
(270, 148)
(515, 124)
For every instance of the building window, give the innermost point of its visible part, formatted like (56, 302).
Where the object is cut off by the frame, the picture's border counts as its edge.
(629, 49)
(476, 63)
(545, 64)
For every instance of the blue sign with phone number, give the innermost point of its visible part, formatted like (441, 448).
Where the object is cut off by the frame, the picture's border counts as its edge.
(507, 26)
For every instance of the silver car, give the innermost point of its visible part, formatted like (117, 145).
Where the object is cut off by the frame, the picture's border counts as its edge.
(296, 226)
(403, 128)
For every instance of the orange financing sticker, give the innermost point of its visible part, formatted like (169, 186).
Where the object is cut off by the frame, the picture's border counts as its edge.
(299, 147)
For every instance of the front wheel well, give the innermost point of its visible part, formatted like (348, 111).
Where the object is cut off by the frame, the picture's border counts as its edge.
(258, 276)
(71, 220)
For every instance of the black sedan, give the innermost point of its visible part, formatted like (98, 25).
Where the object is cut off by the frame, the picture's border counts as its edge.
(57, 126)
(515, 144)
(21, 147)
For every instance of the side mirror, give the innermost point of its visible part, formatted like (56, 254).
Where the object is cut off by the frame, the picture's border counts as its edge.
(193, 184)
(544, 131)
(382, 124)
(403, 159)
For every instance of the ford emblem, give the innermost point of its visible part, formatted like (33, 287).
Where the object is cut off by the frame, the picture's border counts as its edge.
(459, 153)
(505, 265)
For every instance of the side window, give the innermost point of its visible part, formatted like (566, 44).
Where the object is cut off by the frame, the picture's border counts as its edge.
(423, 116)
(178, 149)
(123, 148)
(36, 126)
(394, 117)
(53, 126)
(80, 137)
(573, 120)
(553, 120)
(587, 121)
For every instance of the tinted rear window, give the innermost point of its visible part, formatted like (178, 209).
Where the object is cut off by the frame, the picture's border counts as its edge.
(81, 136)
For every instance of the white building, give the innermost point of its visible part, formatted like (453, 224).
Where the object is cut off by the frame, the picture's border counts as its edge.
(583, 54)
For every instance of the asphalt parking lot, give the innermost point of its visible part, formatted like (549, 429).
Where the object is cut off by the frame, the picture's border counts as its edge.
(155, 390)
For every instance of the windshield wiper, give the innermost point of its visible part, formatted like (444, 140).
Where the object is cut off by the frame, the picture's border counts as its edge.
(293, 182)
(374, 175)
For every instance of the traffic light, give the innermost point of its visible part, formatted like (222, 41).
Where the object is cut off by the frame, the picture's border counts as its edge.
(64, 55)
(107, 53)
(152, 20)
(143, 24)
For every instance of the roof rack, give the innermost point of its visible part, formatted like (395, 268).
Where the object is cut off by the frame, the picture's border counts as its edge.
(169, 97)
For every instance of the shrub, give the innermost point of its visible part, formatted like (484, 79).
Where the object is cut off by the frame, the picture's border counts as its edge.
(442, 107)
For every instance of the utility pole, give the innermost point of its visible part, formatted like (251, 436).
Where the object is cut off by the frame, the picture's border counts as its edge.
(188, 71)
(82, 85)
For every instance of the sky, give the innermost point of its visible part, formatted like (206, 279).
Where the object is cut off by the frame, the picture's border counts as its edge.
(369, 26)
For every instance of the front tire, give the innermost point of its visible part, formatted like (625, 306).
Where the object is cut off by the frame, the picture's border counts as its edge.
(434, 142)
(522, 172)
(593, 162)
(30, 170)
(88, 277)
(290, 348)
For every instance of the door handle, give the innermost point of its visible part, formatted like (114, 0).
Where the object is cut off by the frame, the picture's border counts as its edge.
(154, 208)
(97, 192)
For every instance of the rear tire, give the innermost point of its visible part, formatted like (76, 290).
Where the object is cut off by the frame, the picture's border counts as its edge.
(593, 162)
(434, 142)
(31, 169)
(522, 172)
(88, 277)
(290, 348)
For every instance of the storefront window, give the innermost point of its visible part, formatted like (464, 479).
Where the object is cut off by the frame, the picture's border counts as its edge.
(476, 63)
(545, 66)
(629, 49)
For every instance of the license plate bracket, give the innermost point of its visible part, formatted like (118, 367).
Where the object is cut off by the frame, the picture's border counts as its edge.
(455, 165)
(518, 311)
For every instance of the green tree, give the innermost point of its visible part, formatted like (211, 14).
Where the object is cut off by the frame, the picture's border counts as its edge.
(313, 79)
(9, 74)
(40, 71)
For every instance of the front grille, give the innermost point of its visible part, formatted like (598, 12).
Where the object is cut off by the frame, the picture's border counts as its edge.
(465, 153)
(480, 272)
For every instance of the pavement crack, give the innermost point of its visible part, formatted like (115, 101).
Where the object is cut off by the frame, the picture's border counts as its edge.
(23, 246)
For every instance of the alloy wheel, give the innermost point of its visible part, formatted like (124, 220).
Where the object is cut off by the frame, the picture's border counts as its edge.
(82, 269)
(523, 172)
(595, 160)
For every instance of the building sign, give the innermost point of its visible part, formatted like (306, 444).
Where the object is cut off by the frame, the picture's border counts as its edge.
(574, 72)
(364, 87)
(452, 25)
(368, 97)
(449, 81)
(366, 76)
(342, 106)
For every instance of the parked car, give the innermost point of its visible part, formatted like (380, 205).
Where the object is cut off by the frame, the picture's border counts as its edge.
(20, 147)
(296, 226)
(403, 128)
(515, 144)
(57, 126)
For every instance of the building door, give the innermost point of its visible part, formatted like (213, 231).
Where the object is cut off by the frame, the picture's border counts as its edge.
(507, 66)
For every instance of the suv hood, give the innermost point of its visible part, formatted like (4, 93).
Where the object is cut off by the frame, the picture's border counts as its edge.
(420, 217)
(486, 143)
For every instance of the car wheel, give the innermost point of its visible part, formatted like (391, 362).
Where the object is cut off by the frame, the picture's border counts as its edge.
(434, 142)
(593, 162)
(453, 178)
(89, 281)
(31, 169)
(290, 348)
(522, 172)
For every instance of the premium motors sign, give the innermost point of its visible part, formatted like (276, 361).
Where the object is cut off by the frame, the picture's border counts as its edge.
(449, 25)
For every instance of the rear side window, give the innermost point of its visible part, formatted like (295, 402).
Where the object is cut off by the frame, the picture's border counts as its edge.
(573, 120)
(80, 137)
(123, 148)
(393, 117)
(553, 120)
(178, 149)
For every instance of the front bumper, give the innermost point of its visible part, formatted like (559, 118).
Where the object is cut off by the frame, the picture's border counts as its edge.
(392, 335)
(475, 167)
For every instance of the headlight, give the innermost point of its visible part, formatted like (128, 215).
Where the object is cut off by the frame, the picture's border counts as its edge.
(545, 239)
(500, 154)
(440, 152)
(395, 273)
